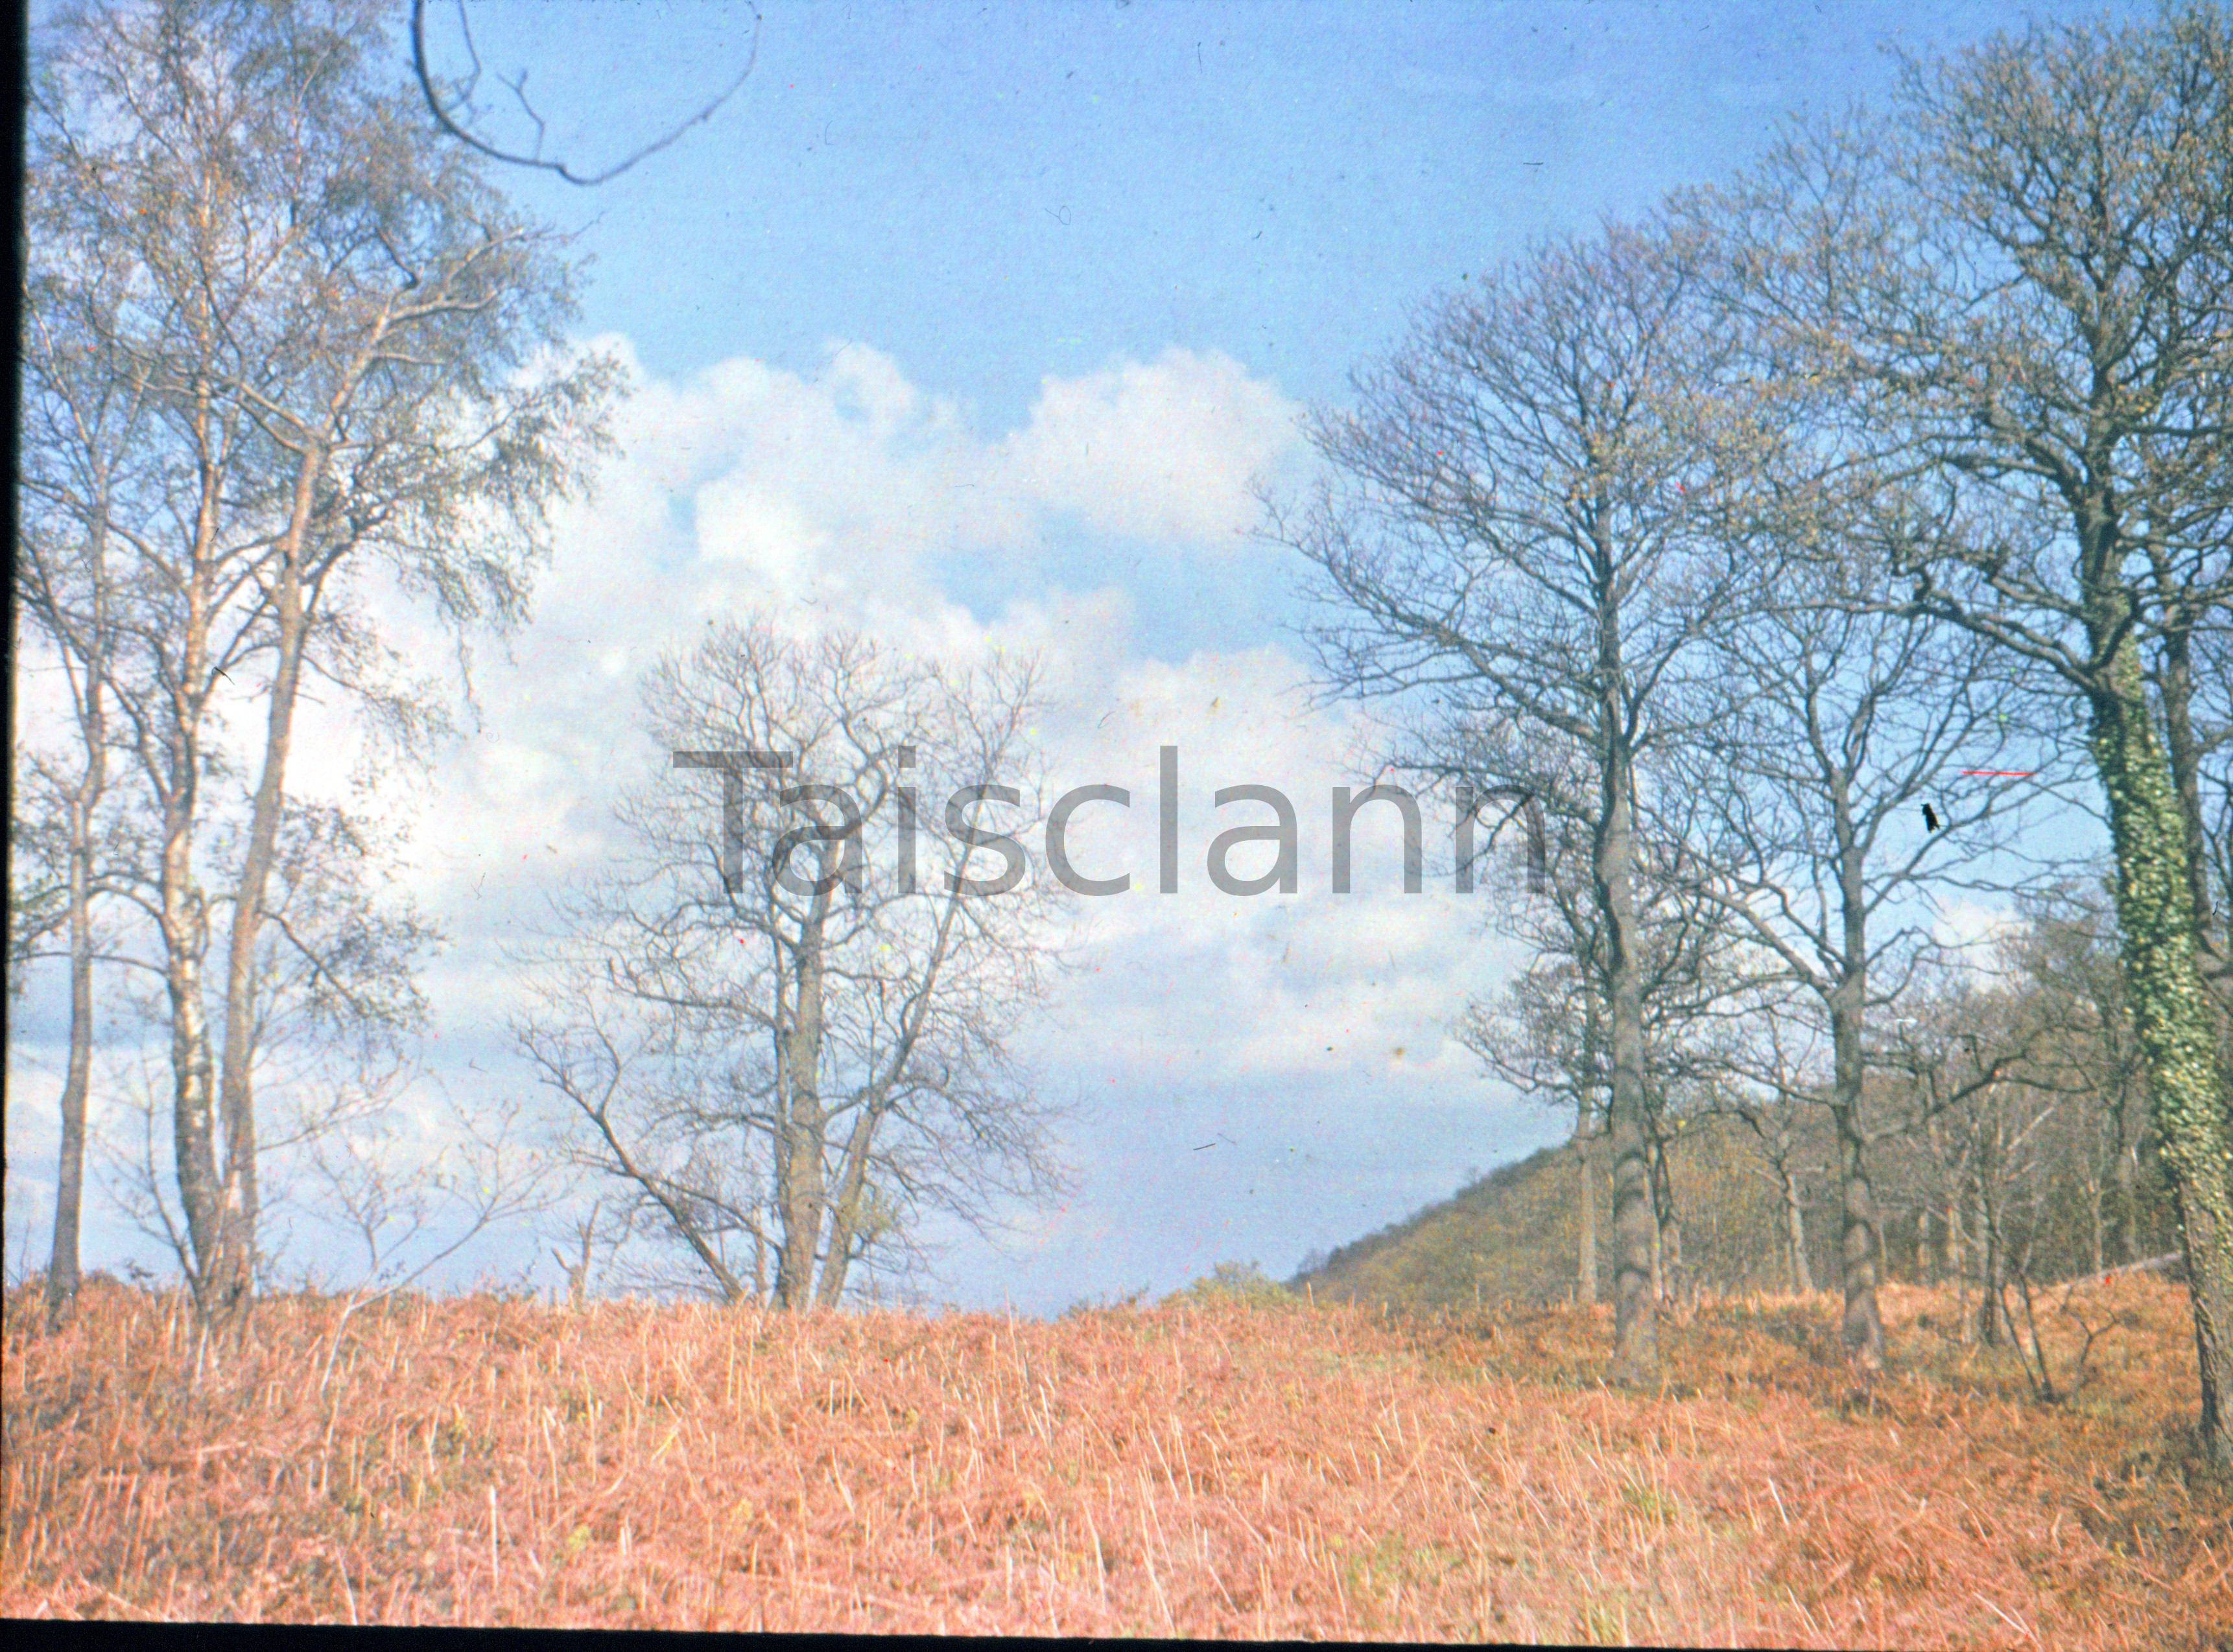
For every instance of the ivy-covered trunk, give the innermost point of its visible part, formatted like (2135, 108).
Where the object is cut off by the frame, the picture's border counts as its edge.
(2172, 1016)
(2174, 682)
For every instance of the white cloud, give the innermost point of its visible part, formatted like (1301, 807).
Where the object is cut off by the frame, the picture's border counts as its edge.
(1977, 930)
(1161, 450)
(848, 485)
(1256, 985)
(835, 497)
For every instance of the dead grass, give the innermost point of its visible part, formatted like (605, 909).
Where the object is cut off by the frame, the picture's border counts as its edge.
(1193, 1471)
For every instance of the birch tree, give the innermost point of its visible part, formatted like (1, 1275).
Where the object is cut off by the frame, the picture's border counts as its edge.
(351, 348)
(78, 427)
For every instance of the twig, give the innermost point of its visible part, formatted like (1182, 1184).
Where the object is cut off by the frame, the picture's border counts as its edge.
(449, 124)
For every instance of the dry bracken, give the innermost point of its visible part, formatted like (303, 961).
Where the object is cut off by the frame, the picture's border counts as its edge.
(1198, 1469)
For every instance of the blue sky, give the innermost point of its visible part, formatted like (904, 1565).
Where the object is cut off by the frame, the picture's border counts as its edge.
(883, 308)
(993, 194)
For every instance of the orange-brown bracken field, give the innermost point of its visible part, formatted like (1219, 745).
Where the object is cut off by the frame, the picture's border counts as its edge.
(1193, 1470)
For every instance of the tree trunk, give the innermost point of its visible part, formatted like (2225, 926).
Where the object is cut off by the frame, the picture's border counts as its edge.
(69, 1171)
(845, 1208)
(2175, 682)
(1658, 1261)
(1667, 1220)
(2172, 1015)
(175, 765)
(1794, 1234)
(234, 1277)
(193, 1101)
(1636, 1348)
(800, 1154)
(1861, 1247)
(1957, 1261)
(1991, 1311)
(2128, 1210)
(92, 654)
(1585, 1262)
(1671, 1243)
(1860, 1250)
(2097, 1207)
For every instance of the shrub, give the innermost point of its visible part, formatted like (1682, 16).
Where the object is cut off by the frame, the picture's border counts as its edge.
(1242, 1283)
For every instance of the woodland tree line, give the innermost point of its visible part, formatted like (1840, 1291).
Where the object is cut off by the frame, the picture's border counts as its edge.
(1810, 550)
(1723, 542)
(2050, 1174)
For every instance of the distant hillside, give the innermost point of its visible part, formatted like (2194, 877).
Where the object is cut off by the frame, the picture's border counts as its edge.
(1515, 1234)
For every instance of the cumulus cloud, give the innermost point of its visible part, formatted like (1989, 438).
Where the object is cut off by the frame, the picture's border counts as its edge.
(834, 497)
(1363, 984)
(1161, 450)
(849, 486)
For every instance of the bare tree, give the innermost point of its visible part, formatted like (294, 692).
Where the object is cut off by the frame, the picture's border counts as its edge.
(1514, 543)
(1961, 1082)
(586, 1231)
(2065, 964)
(71, 849)
(1544, 1031)
(350, 351)
(1774, 1111)
(407, 1211)
(2023, 279)
(784, 1020)
(1836, 724)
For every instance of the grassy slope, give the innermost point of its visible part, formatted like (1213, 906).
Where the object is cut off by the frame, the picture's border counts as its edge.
(1202, 1468)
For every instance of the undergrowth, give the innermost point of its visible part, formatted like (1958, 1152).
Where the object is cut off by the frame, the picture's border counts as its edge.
(1207, 1467)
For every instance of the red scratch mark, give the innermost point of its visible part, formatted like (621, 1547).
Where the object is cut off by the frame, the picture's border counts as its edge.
(2011, 774)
